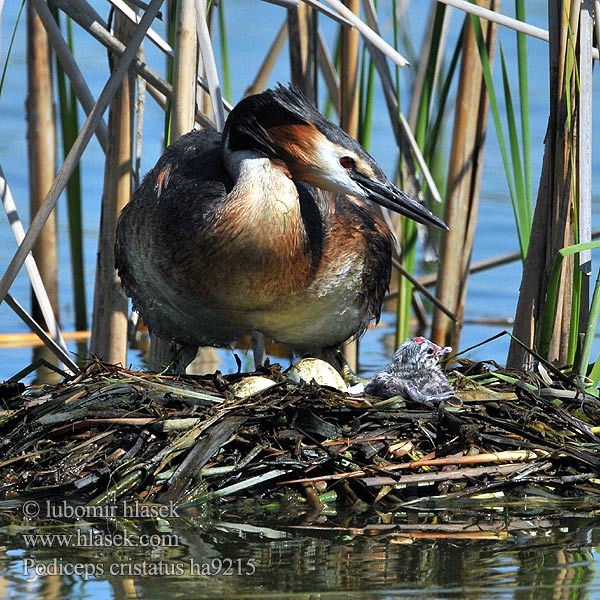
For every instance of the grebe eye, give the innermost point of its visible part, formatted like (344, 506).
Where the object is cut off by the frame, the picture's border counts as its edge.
(347, 162)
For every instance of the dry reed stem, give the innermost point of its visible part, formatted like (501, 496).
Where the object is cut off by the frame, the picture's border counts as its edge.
(25, 340)
(420, 287)
(302, 37)
(70, 66)
(462, 194)
(41, 138)
(552, 226)
(185, 57)
(162, 45)
(424, 59)
(109, 322)
(432, 477)
(474, 459)
(349, 116)
(90, 21)
(419, 478)
(59, 351)
(584, 164)
(332, 14)
(328, 71)
(183, 108)
(349, 90)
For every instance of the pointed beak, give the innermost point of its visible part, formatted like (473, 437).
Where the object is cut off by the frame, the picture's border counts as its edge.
(391, 197)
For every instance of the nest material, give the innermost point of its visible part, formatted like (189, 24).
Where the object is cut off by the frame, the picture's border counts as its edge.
(112, 434)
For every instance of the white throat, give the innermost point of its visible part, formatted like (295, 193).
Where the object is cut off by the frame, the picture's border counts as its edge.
(265, 198)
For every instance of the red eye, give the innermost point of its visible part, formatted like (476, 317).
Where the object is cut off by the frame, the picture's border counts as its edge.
(347, 162)
(419, 340)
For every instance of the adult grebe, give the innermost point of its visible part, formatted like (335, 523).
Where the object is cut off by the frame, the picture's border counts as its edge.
(264, 228)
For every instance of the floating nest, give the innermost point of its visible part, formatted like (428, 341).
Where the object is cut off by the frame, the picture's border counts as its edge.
(112, 434)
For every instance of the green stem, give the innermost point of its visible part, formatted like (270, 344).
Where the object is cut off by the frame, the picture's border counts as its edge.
(226, 75)
(69, 122)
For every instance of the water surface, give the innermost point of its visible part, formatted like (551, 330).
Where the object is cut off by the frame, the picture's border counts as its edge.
(508, 551)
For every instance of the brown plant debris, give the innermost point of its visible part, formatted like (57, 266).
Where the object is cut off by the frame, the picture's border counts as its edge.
(112, 434)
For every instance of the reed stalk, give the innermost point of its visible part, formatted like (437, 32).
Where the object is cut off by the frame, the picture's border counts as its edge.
(405, 228)
(367, 99)
(41, 133)
(225, 70)
(523, 63)
(553, 296)
(421, 112)
(68, 63)
(179, 118)
(349, 80)
(350, 115)
(83, 14)
(369, 34)
(464, 179)
(209, 63)
(185, 59)
(548, 310)
(584, 174)
(69, 125)
(409, 151)
(302, 37)
(109, 323)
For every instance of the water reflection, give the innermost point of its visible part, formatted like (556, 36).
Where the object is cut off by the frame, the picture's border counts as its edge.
(461, 553)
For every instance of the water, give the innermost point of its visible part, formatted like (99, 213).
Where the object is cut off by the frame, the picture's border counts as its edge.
(336, 556)
(512, 552)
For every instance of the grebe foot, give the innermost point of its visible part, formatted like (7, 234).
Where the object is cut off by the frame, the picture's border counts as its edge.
(258, 349)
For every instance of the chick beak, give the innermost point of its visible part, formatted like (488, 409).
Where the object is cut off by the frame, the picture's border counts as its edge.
(391, 197)
(439, 351)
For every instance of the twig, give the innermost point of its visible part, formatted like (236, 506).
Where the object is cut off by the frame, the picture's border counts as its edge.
(473, 459)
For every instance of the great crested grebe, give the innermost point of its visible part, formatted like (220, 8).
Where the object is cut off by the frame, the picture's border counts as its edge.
(264, 228)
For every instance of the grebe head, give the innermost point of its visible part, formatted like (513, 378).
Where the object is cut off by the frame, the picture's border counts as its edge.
(420, 352)
(284, 126)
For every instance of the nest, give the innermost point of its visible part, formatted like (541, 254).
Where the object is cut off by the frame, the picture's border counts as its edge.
(113, 434)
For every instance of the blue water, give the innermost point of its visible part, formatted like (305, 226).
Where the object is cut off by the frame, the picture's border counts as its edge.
(491, 294)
